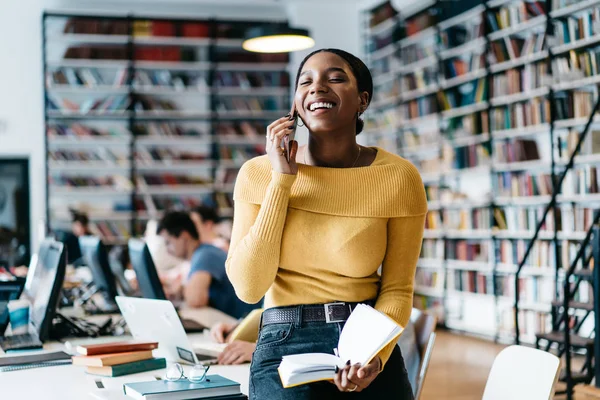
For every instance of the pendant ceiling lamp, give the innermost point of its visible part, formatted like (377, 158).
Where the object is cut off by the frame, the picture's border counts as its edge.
(276, 39)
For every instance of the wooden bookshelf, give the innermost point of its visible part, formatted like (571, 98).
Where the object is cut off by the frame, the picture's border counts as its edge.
(475, 119)
(146, 114)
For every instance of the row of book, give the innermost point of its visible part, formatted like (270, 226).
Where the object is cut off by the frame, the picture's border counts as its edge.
(412, 138)
(156, 129)
(432, 249)
(381, 13)
(250, 104)
(575, 104)
(419, 51)
(475, 218)
(513, 81)
(155, 153)
(99, 154)
(511, 252)
(87, 77)
(419, 107)
(418, 79)
(507, 49)
(463, 64)
(107, 104)
(530, 323)
(566, 142)
(470, 156)
(460, 34)
(468, 250)
(516, 150)
(523, 183)
(241, 154)
(468, 125)
(523, 218)
(464, 95)
(166, 53)
(75, 180)
(168, 179)
(470, 282)
(429, 278)
(532, 289)
(254, 79)
(80, 131)
(578, 26)
(532, 112)
(515, 13)
(578, 64)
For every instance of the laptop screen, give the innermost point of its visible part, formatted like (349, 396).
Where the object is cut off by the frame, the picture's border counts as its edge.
(44, 284)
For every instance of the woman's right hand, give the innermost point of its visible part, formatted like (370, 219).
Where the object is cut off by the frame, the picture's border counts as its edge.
(276, 135)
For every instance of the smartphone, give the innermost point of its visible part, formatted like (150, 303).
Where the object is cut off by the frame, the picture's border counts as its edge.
(290, 137)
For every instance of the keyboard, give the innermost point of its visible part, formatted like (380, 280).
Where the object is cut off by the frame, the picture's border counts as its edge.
(26, 341)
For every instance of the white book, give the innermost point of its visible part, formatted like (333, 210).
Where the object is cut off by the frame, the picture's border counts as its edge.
(365, 333)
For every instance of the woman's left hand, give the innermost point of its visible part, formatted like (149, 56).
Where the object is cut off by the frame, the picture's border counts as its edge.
(354, 378)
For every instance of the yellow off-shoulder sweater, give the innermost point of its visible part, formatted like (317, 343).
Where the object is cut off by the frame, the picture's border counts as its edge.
(321, 236)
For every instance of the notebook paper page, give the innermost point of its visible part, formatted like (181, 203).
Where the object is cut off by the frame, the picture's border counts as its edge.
(366, 332)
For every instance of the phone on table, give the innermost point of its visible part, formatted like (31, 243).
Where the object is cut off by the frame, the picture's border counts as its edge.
(290, 137)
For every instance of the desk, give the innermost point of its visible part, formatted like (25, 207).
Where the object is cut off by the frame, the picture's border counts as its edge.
(68, 382)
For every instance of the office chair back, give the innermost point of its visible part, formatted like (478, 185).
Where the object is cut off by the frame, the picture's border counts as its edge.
(522, 373)
(424, 324)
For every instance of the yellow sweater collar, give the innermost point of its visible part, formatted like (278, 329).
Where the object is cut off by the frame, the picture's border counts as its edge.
(390, 187)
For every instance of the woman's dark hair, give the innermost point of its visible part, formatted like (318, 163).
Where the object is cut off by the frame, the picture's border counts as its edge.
(359, 69)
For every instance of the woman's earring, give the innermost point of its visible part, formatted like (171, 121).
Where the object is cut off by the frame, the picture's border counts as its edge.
(298, 124)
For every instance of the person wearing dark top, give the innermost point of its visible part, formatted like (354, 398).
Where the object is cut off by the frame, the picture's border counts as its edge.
(207, 283)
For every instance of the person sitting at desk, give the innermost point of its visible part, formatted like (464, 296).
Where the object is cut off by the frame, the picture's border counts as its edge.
(206, 219)
(207, 283)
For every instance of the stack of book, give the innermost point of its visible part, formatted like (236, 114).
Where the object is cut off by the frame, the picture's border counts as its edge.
(118, 358)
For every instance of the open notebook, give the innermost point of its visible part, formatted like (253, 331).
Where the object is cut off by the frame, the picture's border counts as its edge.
(365, 333)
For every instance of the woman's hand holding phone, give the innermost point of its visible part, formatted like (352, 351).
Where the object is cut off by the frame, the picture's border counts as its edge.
(281, 148)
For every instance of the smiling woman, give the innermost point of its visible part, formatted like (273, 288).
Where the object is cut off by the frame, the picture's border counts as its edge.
(308, 234)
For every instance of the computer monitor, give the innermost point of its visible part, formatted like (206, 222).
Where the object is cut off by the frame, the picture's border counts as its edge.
(96, 258)
(9, 290)
(145, 270)
(43, 286)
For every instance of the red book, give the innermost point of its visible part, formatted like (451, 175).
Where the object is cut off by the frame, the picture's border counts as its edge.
(115, 347)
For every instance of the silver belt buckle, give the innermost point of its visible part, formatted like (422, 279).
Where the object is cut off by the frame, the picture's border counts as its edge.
(328, 311)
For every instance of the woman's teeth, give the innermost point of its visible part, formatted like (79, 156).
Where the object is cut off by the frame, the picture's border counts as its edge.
(314, 106)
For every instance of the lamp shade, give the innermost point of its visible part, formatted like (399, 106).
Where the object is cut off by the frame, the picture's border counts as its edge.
(276, 39)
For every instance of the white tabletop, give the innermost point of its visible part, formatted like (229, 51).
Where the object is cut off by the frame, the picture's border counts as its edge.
(68, 382)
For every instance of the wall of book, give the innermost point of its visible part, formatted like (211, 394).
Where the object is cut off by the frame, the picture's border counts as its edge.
(488, 101)
(145, 115)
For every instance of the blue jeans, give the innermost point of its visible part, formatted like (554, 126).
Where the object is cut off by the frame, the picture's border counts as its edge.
(277, 340)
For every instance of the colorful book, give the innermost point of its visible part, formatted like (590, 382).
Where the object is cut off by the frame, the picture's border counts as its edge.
(129, 368)
(104, 360)
(115, 347)
(212, 386)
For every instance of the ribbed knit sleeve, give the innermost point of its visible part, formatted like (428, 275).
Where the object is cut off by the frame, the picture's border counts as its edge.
(398, 271)
(253, 258)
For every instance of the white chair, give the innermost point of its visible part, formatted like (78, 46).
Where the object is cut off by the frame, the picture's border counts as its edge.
(522, 373)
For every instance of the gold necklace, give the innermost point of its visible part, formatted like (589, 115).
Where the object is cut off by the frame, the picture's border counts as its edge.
(353, 164)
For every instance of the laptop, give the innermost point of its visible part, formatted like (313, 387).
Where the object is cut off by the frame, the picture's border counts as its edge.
(157, 321)
(42, 289)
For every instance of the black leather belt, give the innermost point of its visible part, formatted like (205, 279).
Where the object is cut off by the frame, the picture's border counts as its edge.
(330, 313)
